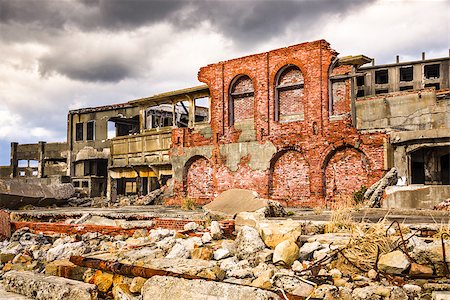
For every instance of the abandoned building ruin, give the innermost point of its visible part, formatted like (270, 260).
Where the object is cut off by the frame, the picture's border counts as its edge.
(298, 124)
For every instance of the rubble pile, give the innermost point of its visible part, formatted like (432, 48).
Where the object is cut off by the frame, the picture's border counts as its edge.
(265, 258)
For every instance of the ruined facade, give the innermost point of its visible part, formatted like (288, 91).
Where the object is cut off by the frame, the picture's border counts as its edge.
(297, 124)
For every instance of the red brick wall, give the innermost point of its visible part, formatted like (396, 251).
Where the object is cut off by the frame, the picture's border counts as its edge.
(199, 178)
(289, 178)
(243, 107)
(291, 100)
(345, 173)
(316, 136)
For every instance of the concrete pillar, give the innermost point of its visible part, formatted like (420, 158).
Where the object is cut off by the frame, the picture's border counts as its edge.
(41, 165)
(139, 186)
(113, 193)
(14, 160)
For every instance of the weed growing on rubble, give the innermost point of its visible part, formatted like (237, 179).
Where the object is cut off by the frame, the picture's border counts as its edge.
(188, 204)
(358, 195)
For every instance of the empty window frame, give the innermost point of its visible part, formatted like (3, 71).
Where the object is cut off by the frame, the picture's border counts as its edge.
(90, 130)
(360, 80)
(79, 131)
(381, 77)
(406, 88)
(241, 100)
(289, 91)
(437, 86)
(159, 116)
(406, 73)
(431, 71)
(360, 93)
(381, 91)
(182, 113)
(202, 107)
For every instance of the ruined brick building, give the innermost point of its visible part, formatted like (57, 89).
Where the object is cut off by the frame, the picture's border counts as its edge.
(297, 124)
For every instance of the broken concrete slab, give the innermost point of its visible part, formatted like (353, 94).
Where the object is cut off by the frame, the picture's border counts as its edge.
(168, 288)
(17, 192)
(234, 201)
(4, 295)
(42, 287)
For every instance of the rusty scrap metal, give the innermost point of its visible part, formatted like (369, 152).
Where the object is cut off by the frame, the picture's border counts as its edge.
(403, 243)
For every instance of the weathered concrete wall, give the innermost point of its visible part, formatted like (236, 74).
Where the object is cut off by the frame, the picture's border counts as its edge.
(255, 155)
(417, 110)
(416, 196)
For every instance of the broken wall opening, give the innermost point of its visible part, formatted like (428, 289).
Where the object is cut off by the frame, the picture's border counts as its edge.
(119, 126)
(430, 165)
(202, 110)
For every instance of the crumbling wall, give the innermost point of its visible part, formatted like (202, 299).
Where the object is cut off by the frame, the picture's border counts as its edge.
(283, 159)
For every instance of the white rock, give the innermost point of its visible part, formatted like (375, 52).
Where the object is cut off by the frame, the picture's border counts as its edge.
(297, 266)
(216, 231)
(394, 262)
(307, 250)
(412, 289)
(179, 251)
(248, 242)
(221, 253)
(191, 226)
(160, 233)
(65, 251)
(206, 238)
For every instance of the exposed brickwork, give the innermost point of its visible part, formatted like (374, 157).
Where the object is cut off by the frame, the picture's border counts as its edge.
(243, 108)
(316, 136)
(199, 179)
(290, 99)
(290, 177)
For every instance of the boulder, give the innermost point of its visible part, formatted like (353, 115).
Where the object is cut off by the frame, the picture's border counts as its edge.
(275, 232)
(168, 288)
(393, 262)
(286, 253)
(216, 231)
(248, 243)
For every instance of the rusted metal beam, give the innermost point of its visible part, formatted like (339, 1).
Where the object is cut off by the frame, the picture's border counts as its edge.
(137, 271)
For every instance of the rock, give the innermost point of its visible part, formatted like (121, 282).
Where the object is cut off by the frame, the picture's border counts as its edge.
(122, 292)
(206, 238)
(365, 293)
(64, 268)
(204, 253)
(120, 279)
(246, 218)
(178, 251)
(166, 243)
(432, 254)
(398, 293)
(169, 288)
(158, 234)
(264, 280)
(191, 226)
(337, 239)
(297, 266)
(273, 209)
(323, 289)
(417, 269)
(103, 280)
(286, 252)
(221, 253)
(394, 262)
(440, 295)
(136, 284)
(182, 265)
(248, 243)
(275, 232)
(266, 255)
(65, 251)
(374, 193)
(412, 289)
(230, 245)
(303, 290)
(42, 287)
(372, 274)
(233, 201)
(307, 250)
(216, 231)
(6, 257)
(335, 273)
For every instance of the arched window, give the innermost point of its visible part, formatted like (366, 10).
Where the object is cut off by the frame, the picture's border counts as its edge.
(241, 100)
(289, 92)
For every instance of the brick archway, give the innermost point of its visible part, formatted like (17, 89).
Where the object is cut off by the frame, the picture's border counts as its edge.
(198, 178)
(289, 176)
(345, 171)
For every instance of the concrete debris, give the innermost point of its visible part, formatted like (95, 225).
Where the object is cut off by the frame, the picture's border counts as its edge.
(374, 194)
(444, 205)
(169, 288)
(274, 256)
(233, 201)
(42, 287)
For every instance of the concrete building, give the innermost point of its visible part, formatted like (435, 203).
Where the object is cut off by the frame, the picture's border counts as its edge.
(299, 125)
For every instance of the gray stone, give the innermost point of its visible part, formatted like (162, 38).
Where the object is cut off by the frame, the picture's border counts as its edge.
(216, 231)
(42, 287)
(248, 242)
(65, 251)
(179, 251)
(394, 262)
(206, 238)
(169, 288)
(191, 226)
(221, 253)
(4, 295)
(307, 250)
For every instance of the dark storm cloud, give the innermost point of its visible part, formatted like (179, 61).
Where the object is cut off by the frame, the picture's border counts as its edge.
(247, 23)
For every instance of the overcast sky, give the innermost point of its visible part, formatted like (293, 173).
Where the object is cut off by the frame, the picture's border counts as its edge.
(59, 55)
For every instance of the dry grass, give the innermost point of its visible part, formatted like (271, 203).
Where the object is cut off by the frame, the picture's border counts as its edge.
(188, 204)
(341, 221)
(444, 229)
